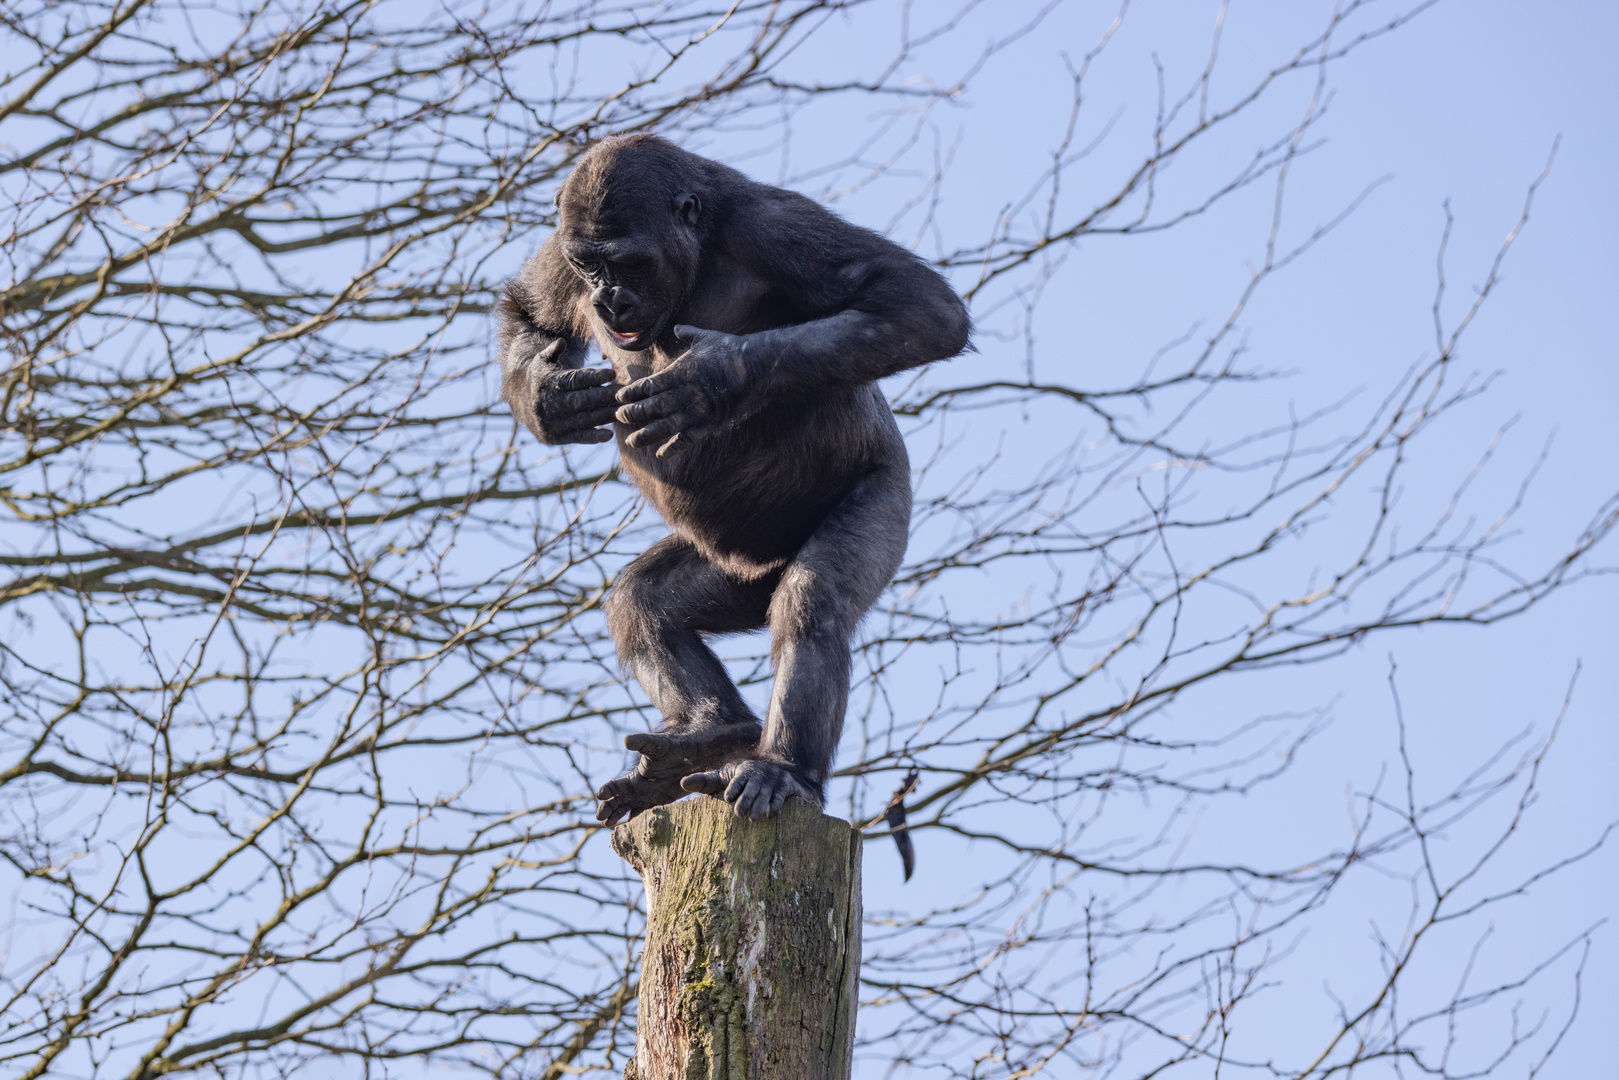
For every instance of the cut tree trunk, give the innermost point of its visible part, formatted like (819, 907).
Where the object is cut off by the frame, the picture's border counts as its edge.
(752, 943)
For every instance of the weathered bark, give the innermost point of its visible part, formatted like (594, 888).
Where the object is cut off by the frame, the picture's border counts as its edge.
(752, 945)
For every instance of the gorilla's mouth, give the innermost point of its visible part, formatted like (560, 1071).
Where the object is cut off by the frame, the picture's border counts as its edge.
(634, 340)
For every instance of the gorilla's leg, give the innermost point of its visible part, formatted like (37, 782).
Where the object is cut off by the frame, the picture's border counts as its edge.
(658, 610)
(822, 595)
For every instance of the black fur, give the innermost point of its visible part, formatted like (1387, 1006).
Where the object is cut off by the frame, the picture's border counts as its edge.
(747, 327)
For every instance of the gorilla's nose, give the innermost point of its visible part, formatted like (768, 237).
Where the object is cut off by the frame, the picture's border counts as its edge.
(614, 302)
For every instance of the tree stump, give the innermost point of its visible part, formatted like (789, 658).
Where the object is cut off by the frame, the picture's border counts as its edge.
(752, 943)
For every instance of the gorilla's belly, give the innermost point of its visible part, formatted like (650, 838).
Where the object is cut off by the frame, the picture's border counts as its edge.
(749, 496)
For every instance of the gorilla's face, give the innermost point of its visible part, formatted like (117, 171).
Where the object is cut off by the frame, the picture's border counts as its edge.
(638, 261)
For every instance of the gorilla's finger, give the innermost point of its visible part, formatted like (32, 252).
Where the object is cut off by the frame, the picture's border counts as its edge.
(666, 379)
(551, 351)
(595, 418)
(585, 435)
(579, 403)
(641, 413)
(583, 378)
(610, 811)
(654, 433)
(594, 398)
(691, 334)
(704, 783)
(678, 443)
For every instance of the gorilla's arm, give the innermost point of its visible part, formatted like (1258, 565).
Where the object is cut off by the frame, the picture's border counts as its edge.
(875, 308)
(542, 347)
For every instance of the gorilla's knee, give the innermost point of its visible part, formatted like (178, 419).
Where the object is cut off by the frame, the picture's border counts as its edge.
(811, 604)
(631, 609)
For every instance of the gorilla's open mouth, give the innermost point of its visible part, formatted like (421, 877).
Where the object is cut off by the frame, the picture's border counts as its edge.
(623, 339)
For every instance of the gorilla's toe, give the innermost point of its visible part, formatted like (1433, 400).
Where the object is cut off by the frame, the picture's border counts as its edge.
(755, 789)
(707, 783)
(609, 811)
(634, 792)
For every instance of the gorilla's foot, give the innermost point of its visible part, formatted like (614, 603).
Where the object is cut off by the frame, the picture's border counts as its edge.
(755, 789)
(667, 757)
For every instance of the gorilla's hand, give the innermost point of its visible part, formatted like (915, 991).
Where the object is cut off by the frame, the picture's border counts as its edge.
(691, 396)
(570, 404)
(666, 757)
(755, 789)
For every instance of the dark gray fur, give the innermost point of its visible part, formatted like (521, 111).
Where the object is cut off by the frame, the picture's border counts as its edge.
(752, 326)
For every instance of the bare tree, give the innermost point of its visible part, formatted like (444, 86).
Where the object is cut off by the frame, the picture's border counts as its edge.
(305, 684)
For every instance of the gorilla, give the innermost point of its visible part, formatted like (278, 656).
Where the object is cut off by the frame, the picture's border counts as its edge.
(746, 327)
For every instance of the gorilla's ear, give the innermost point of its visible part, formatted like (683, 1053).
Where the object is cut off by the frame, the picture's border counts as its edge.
(687, 208)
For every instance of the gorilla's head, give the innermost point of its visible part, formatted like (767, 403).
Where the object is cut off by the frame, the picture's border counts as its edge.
(632, 217)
